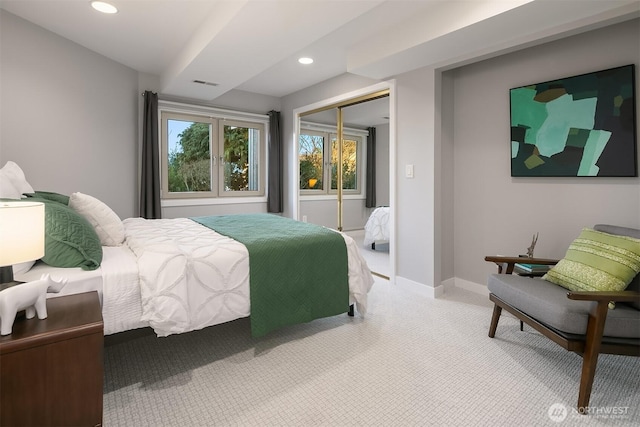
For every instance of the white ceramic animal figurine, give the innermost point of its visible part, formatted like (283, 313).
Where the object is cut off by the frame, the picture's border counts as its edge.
(30, 296)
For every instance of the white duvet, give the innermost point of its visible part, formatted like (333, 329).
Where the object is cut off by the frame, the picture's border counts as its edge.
(192, 277)
(377, 227)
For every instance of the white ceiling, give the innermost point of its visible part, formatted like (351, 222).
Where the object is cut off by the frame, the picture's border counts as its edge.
(253, 45)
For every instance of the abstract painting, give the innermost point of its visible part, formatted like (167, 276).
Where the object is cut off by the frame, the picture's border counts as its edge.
(576, 126)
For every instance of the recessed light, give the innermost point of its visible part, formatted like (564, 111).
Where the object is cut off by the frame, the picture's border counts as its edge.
(104, 7)
(305, 60)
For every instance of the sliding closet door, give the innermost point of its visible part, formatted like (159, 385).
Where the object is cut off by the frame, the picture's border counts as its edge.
(332, 155)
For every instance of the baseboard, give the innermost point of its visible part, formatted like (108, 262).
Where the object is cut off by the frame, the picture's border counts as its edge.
(471, 286)
(448, 284)
(445, 285)
(420, 288)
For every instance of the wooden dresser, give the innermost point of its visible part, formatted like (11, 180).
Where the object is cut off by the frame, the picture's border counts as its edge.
(51, 370)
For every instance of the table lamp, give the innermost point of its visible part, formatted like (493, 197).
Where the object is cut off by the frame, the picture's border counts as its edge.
(21, 235)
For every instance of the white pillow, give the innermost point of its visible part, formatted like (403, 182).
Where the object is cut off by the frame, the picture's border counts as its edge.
(15, 175)
(7, 189)
(106, 222)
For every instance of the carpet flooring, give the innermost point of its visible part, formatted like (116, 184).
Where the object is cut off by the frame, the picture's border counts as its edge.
(411, 361)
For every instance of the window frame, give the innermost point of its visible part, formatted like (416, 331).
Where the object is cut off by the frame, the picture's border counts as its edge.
(217, 118)
(164, 152)
(316, 191)
(262, 148)
(360, 149)
(329, 133)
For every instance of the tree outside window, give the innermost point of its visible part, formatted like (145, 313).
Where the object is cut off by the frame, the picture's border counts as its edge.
(190, 158)
(212, 157)
(319, 149)
(311, 162)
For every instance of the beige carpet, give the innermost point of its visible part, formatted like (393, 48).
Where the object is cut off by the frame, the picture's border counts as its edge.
(411, 361)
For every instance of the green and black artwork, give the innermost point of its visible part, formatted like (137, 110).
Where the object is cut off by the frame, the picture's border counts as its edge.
(577, 126)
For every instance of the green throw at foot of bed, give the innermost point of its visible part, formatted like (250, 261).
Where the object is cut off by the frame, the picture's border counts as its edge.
(298, 271)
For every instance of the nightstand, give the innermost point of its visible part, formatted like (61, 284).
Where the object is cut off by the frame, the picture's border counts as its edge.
(51, 370)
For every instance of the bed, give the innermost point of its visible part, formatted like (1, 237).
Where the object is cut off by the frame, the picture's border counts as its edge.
(178, 275)
(184, 274)
(376, 230)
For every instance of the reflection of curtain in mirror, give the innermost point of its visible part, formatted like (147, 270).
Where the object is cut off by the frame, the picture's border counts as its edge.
(274, 181)
(370, 201)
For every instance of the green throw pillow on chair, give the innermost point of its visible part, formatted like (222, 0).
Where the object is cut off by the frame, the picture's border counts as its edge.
(597, 261)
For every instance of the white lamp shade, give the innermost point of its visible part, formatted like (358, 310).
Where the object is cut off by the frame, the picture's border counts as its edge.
(21, 232)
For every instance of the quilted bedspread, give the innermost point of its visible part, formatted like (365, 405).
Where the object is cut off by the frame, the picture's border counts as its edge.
(192, 277)
(298, 271)
(377, 226)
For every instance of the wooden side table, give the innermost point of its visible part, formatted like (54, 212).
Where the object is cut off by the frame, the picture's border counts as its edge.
(51, 370)
(508, 263)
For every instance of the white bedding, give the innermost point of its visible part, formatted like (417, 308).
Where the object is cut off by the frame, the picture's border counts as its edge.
(121, 308)
(177, 276)
(116, 281)
(78, 280)
(192, 277)
(377, 227)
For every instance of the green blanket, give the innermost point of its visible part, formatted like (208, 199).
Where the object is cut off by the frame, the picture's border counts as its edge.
(298, 271)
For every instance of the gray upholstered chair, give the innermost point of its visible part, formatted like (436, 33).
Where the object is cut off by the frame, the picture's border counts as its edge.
(581, 322)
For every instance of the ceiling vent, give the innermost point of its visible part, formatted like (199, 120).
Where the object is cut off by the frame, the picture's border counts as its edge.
(202, 82)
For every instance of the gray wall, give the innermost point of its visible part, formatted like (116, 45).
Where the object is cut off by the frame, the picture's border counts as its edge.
(68, 116)
(497, 214)
(417, 130)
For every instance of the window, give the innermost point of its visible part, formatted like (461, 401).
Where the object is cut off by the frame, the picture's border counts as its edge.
(240, 157)
(312, 161)
(349, 163)
(318, 157)
(206, 156)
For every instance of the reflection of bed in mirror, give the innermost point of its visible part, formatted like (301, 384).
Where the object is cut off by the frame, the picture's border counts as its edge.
(376, 230)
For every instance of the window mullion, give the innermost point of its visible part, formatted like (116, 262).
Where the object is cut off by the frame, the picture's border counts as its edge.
(215, 179)
(327, 164)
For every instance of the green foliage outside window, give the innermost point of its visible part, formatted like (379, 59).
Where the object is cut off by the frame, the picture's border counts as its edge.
(190, 161)
(311, 157)
(349, 164)
(236, 159)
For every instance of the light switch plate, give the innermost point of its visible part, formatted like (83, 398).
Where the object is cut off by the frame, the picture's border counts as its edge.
(408, 171)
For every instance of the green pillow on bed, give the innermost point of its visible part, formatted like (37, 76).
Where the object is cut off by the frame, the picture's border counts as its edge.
(70, 241)
(49, 195)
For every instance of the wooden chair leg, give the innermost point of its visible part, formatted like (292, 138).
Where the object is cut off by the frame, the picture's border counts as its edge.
(593, 340)
(497, 310)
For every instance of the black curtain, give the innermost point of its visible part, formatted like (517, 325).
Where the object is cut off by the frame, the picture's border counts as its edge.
(150, 175)
(370, 201)
(274, 181)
